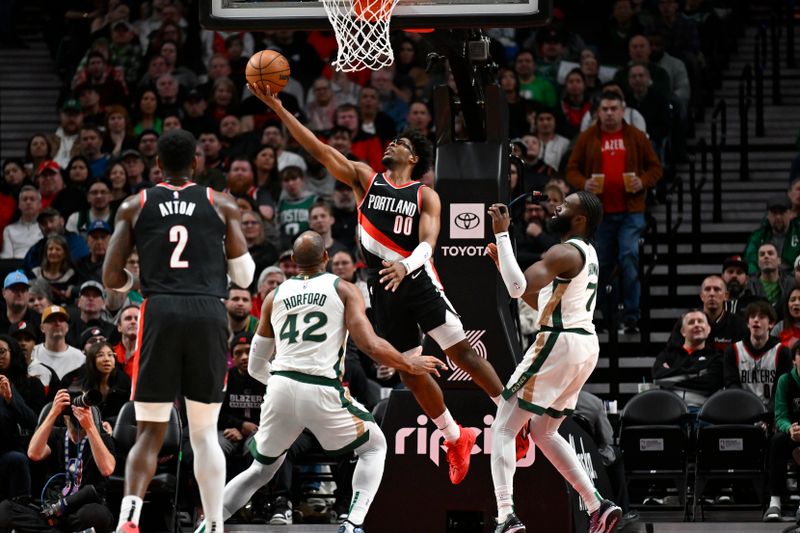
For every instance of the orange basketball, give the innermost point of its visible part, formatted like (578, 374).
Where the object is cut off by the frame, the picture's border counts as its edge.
(268, 67)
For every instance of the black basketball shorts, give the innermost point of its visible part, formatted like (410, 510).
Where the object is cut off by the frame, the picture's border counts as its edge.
(417, 304)
(182, 349)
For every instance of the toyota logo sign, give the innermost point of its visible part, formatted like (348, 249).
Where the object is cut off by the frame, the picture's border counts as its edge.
(466, 220)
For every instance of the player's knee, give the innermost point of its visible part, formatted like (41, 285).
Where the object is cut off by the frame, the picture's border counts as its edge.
(375, 445)
(150, 435)
(543, 428)
(202, 417)
(463, 354)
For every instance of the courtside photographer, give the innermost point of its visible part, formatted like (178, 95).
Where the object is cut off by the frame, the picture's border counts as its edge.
(81, 458)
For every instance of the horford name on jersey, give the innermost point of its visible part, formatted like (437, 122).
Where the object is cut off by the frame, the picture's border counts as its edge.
(312, 298)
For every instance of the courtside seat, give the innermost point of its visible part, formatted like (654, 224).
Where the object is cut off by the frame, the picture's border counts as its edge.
(731, 444)
(165, 482)
(655, 441)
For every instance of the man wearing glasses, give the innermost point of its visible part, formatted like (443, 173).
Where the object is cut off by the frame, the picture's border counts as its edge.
(398, 228)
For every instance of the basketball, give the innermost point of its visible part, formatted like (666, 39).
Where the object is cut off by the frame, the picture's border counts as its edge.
(268, 67)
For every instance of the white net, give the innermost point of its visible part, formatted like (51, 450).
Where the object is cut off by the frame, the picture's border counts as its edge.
(362, 33)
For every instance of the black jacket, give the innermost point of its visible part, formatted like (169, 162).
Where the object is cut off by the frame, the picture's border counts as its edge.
(242, 403)
(726, 330)
(16, 419)
(119, 390)
(700, 371)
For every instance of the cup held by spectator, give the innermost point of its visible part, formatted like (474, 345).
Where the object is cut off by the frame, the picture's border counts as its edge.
(600, 180)
(628, 178)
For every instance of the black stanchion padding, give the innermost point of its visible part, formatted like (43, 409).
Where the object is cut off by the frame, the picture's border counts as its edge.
(471, 177)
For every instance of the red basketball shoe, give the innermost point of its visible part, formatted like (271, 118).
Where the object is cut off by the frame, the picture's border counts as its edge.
(458, 455)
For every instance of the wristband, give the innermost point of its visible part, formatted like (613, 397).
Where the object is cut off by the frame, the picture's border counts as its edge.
(418, 257)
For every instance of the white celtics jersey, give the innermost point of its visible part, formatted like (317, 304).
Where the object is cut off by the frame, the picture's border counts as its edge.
(569, 303)
(308, 321)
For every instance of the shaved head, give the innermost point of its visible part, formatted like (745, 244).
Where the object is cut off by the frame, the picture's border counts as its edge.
(309, 249)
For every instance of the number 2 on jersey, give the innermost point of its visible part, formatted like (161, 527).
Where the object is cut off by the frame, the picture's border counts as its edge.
(180, 235)
(316, 319)
(402, 225)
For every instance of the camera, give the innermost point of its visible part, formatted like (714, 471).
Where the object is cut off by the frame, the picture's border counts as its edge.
(73, 502)
(90, 398)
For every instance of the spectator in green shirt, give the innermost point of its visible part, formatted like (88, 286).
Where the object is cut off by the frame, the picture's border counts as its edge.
(532, 87)
(786, 439)
(778, 228)
(770, 283)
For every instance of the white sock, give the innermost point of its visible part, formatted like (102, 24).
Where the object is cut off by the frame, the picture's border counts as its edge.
(447, 426)
(775, 501)
(496, 399)
(130, 510)
(505, 502)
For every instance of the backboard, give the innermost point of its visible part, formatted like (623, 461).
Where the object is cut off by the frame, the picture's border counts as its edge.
(310, 14)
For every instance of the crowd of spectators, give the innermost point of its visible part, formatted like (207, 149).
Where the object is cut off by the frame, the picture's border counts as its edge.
(593, 106)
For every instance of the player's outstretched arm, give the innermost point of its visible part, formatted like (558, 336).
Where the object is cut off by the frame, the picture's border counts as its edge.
(353, 173)
(115, 276)
(561, 260)
(375, 347)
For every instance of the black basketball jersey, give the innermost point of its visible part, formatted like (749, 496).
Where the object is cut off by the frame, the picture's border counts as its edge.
(180, 238)
(388, 220)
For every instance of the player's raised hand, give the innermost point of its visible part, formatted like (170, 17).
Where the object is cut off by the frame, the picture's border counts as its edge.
(392, 275)
(500, 218)
(263, 92)
(491, 251)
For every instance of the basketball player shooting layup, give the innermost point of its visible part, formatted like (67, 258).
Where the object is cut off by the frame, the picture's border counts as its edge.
(189, 240)
(545, 385)
(398, 224)
(304, 323)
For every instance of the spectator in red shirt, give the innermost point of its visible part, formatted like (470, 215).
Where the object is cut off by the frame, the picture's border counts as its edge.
(128, 327)
(367, 147)
(269, 278)
(601, 157)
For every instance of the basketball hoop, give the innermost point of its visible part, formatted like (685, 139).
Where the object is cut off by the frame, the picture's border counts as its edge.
(362, 33)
